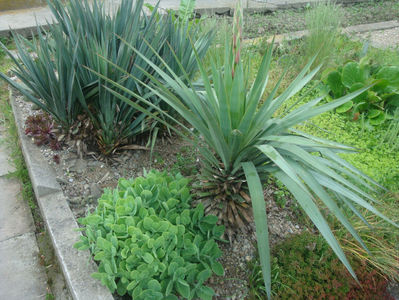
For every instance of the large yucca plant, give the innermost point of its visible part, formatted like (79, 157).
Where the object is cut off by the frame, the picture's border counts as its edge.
(96, 34)
(60, 79)
(242, 141)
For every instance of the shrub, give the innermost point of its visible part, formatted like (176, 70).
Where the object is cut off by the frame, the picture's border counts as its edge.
(150, 243)
(375, 104)
(65, 78)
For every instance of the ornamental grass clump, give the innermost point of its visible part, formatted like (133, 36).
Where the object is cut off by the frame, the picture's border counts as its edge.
(323, 22)
(244, 136)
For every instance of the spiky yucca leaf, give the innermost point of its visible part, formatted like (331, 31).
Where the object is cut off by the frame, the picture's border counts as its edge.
(241, 142)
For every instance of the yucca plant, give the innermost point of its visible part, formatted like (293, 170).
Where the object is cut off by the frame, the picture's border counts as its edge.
(97, 34)
(61, 79)
(242, 141)
(48, 76)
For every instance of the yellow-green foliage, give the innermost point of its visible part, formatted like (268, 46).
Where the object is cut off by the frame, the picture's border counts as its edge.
(376, 160)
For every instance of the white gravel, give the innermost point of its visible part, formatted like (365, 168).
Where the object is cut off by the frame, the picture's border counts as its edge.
(388, 38)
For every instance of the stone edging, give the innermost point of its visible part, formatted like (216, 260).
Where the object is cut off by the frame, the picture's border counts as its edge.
(279, 38)
(77, 266)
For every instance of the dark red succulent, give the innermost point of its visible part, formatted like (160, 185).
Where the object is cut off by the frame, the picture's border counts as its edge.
(43, 130)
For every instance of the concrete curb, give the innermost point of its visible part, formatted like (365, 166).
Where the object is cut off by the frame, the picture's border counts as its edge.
(279, 38)
(77, 266)
(304, 3)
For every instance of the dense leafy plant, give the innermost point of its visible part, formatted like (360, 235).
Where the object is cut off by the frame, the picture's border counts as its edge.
(304, 267)
(242, 142)
(150, 243)
(375, 103)
(62, 78)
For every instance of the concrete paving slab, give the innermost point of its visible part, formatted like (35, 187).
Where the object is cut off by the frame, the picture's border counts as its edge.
(22, 276)
(15, 215)
(24, 21)
(5, 164)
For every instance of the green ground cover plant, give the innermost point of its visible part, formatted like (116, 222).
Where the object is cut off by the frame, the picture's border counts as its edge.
(373, 158)
(150, 243)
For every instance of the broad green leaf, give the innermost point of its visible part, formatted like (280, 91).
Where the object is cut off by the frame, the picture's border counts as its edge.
(183, 288)
(217, 268)
(352, 73)
(148, 258)
(344, 107)
(390, 73)
(205, 293)
(154, 285)
(334, 81)
(203, 276)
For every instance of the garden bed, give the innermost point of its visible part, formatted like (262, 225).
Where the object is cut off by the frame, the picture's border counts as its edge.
(83, 179)
(147, 236)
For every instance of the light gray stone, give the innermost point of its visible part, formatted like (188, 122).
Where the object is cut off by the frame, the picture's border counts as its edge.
(393, 289)
(15, 216)
(79, 166)
(5, 165)
(22, 277)
(371, 27)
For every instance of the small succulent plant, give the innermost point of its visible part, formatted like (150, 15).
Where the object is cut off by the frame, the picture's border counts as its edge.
(43, 130)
